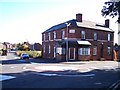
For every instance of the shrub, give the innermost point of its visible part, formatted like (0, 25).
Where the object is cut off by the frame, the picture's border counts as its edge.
(32, 54)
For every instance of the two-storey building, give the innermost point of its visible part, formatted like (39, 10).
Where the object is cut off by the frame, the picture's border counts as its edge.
(78, 39)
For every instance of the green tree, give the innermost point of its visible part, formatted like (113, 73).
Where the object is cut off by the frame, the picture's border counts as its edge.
(112, 8)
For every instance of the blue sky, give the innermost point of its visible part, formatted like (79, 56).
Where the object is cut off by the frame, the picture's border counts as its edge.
(25, 20)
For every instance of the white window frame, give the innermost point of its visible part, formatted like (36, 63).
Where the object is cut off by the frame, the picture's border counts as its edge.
(44, 48)
(84, 51)
(71, 31)
(95, 36)
(49, 48)
(54, 34)
(95, 50)
(109, 36)
(60, 50)
(44, 36)
(49, 36)
(108, 50)
(63, 34)
(82, 34)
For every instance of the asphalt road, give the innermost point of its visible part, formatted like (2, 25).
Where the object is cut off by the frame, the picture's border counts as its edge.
(36, 74)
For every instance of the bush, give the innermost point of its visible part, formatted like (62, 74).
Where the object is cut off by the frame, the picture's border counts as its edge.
(32, 54)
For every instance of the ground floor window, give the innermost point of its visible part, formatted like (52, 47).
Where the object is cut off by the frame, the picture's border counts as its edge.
(108, 50)
(84, 51)
(94, 50)
(60, 50)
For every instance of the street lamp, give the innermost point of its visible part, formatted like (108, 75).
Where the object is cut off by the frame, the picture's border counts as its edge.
(68, 24)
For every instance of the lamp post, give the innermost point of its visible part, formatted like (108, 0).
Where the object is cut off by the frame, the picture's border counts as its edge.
(67, 51)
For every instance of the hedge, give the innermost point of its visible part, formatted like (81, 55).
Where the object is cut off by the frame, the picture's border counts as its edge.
(32, 54)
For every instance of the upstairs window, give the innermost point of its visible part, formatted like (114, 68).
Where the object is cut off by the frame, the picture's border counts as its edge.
(95, 36)
(49, 36)
(54, 34)
(71, 31)
(83, 35)
(63, 34)
(108, 36)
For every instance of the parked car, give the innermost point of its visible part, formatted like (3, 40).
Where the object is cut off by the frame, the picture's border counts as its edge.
(24, 56)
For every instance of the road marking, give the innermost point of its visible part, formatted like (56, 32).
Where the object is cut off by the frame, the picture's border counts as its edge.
(55, 68)
(6, 77)
(53, 74)
(98, 83)
(13, 67)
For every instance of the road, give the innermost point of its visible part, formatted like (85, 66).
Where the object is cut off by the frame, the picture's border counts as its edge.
(31, 74)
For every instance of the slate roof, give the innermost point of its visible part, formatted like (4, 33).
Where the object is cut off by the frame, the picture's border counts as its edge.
(84, 23)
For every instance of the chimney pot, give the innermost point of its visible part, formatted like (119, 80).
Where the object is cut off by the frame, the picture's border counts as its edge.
(79, 17)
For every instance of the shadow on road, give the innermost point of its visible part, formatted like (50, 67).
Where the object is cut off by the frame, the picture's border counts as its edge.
(28, 61)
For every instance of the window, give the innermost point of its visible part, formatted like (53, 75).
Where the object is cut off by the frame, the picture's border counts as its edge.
(63, 34)
(49, 36)
(44, 49)
(109, 37)
(60, 50)
(84, 51)
(72, 31)
(54, 34)
(108, 50)
(44, 36)
(95, 36)
(95, 50)
(49, 49)
(83, 35)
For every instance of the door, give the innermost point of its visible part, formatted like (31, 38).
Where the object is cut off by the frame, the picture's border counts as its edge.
(71, 53)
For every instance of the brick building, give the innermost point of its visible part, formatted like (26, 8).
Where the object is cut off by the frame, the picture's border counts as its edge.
(78, 39)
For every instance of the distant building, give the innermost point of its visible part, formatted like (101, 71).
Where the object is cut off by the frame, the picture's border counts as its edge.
(78, 39)
(36, 47)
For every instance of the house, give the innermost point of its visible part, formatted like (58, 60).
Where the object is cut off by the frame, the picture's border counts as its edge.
(35, 46)
(78, 39)
(117, 52)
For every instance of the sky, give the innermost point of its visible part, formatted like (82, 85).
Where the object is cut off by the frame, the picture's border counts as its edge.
(25, 20)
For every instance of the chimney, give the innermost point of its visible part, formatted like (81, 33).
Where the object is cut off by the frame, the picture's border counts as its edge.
(79, 17)
(107, 23)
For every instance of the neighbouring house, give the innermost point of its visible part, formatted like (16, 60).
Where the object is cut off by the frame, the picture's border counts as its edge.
(36, 47)
(117, 52)
(1, 46)
(78, 39)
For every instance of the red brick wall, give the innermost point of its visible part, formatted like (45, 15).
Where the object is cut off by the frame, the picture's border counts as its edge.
(102, 37)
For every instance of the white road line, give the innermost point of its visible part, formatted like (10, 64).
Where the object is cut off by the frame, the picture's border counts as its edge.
(53, 74)
(98, 83)
(6, 77)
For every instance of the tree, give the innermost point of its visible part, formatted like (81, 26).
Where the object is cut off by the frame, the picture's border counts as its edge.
(112, 8)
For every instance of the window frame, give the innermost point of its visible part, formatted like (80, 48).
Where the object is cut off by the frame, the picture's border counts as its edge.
(109, 36)
(108, 50)
(95, 35)
(95, 50)
(84, 51)
(49, 49)
(82, 34)
(54, 35)
(63, 34)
